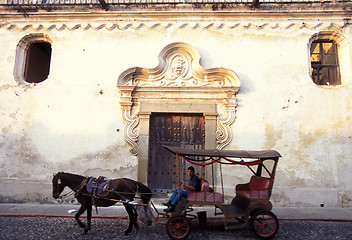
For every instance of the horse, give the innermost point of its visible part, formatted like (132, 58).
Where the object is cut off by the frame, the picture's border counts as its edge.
(123, 189)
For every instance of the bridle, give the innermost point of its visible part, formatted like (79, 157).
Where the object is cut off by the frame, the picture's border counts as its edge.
(59, 182)
(66, 195)
(58, 187)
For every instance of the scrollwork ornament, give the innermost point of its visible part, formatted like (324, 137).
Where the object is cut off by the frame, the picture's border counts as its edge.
(224, 133)
(131, 132)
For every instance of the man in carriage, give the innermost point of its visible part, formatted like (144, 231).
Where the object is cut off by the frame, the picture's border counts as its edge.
(192, 185)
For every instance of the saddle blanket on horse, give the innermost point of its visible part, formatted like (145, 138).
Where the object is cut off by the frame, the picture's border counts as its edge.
(97, 185)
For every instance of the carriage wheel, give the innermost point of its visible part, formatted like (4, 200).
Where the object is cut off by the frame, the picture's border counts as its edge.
(178, 227)
(264, 224)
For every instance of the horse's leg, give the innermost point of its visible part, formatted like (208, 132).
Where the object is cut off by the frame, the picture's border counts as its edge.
(89, 217)
(135, 217)
(131, 215)
(81, 210)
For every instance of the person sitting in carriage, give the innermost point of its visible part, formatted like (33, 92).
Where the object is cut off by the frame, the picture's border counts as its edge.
(192, 185)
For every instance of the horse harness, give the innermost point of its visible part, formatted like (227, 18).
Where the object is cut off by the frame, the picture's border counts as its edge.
(95, 188)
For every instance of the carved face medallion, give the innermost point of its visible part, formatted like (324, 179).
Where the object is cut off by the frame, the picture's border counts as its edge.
(179, 66)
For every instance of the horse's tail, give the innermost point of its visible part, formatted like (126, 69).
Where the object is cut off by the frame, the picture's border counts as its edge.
(145, 192)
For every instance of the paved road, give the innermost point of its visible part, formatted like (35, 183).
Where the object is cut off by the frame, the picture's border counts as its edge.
(65, 228)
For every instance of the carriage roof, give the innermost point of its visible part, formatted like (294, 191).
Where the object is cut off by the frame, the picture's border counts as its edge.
(264, 154)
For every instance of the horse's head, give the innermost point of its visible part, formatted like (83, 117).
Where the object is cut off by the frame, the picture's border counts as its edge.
(58, 185)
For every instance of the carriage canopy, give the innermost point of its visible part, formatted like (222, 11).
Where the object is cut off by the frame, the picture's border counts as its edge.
(264, 154)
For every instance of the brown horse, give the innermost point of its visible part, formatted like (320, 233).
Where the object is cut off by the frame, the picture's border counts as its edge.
(123, 189)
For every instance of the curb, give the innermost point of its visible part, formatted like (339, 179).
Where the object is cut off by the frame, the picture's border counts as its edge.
(126, 218)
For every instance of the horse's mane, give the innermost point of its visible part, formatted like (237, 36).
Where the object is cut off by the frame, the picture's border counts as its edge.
(72, 175)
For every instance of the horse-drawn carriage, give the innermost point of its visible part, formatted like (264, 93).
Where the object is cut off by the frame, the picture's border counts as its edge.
(251, 205)
(249, 208)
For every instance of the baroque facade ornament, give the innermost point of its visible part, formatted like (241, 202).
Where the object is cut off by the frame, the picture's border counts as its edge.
(178, 78)
(179, 66)
(97, 26)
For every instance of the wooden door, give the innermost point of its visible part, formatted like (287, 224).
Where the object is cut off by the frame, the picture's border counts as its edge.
(180, 130)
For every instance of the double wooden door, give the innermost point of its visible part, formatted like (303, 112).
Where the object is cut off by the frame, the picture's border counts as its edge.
(180, 130)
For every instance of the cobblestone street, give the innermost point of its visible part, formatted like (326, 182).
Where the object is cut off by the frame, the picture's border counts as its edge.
(102, 228)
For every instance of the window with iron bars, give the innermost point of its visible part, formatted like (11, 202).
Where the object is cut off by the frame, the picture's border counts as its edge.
(324, 63)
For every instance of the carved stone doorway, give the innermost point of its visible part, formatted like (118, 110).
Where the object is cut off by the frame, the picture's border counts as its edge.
(178, 130)
(179, 84)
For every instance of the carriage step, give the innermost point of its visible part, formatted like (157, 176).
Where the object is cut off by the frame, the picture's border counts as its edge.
(235, 226)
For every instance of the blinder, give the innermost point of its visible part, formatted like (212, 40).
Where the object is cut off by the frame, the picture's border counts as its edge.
(58, 181)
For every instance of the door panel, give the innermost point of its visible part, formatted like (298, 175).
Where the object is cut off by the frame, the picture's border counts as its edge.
(180, 130)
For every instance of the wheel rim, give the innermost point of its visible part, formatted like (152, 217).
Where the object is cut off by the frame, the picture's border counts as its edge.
(178, 228)
(265, 225)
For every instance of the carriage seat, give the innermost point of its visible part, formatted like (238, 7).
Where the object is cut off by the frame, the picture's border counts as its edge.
(206, 194)
(257, 188)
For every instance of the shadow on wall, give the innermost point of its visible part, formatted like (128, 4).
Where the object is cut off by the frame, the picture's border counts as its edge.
(26, 173)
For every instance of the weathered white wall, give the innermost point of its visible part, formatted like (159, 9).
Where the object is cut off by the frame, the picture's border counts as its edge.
(72, 121)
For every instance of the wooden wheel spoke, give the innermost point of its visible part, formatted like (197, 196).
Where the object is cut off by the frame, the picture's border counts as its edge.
(265, 224)
(178, 227)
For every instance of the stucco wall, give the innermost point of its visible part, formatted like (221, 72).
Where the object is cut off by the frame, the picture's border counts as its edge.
(72, 121)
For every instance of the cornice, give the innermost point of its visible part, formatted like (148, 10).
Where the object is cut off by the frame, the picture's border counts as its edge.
(191, 25)
(149, 12)
(121, 17)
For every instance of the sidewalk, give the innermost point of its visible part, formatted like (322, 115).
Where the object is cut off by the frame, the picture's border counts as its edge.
(63, 210)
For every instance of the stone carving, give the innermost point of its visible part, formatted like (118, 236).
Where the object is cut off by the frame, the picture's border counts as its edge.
(298, 25)
(131, 132)
(178, 78)
(224, 133)
(179, 66)
(131, 121)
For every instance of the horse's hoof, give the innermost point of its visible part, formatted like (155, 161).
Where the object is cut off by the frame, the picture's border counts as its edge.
(85, 232)
(126, 233)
